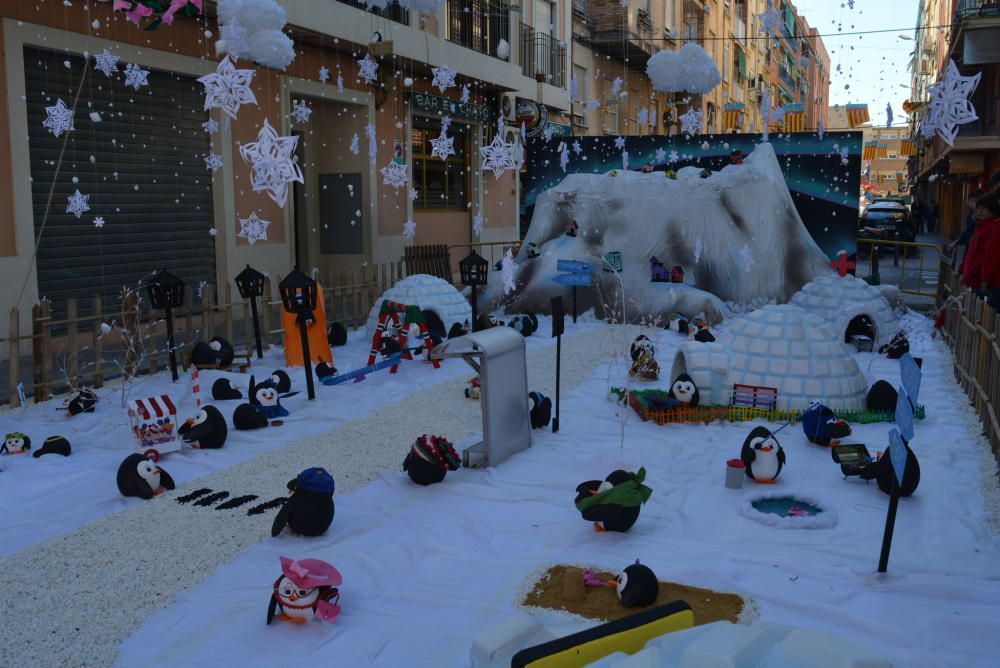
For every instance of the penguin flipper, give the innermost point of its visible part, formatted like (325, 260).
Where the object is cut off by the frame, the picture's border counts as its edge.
(281, 519)
(144, 491)
(271, 607)
(781, 456)
(165, 480)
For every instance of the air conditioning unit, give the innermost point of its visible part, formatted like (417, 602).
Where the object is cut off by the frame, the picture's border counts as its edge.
(508, 107)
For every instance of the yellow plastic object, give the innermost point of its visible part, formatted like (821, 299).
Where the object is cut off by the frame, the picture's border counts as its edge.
(319, 347)
(628, 634)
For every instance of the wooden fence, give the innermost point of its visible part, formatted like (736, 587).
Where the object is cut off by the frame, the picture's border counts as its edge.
(61, 353)
(972, 330)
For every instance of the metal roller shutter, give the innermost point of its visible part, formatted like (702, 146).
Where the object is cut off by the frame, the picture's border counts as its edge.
(142, 166)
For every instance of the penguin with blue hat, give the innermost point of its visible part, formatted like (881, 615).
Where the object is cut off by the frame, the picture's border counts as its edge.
(309, 510)
(822, 426)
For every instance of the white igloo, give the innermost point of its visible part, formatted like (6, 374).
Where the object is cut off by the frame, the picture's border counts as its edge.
(427, 292)
(849, 305)
(780, 346)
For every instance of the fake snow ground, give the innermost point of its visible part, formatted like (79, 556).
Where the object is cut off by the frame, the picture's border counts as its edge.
(426, 569)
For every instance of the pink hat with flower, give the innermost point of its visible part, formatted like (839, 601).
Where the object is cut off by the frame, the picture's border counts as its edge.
(310, 573)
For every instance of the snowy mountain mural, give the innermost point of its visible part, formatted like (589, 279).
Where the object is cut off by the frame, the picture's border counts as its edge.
(736, 233)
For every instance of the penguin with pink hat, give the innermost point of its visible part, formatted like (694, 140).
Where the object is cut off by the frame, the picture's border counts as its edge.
(305, 589)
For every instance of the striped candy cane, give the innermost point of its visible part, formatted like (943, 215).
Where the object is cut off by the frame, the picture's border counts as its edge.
(196, 386)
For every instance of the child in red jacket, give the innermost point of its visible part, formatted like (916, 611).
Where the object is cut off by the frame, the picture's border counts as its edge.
(984, 247)
(989, 273)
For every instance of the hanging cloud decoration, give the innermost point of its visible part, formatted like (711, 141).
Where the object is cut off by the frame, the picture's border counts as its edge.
(690, 70)
(264, 42)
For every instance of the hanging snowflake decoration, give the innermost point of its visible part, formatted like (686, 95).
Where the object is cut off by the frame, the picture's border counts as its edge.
(950, 106)
(106, 62)
(643, 116)
(619, 142)
(674, 157)
(594, 104)
(497, 157)
(442, 147)
(355, 144)
(273, 163)
(445, 124)
(394, 174)
(228, 88)
(691, 122)
(340, 82)
(820, 129)
(661, 155)
(372, 141)
(213, 161)
(508, 271)
(563, 155)
(409, 228)
(135, 76)
(616, 86)
(368, 69)
(77, 204)
(324, 74)
(301, 111)
(210, 126)
(253, 229)
(477, 224)
(624, 161)
(888, 115)
(465, 94)
(517, 154)
(770, 22)
(444, 78)
(414, 194)
(548, 132)
(99, 222)
(577, 147)
(58, 118)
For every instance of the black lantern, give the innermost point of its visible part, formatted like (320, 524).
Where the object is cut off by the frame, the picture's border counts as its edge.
(298, 296)
(250, 283)
(473, 270)
(166, 292)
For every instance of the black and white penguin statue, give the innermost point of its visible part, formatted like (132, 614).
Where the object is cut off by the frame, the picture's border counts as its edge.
(762, 455)
(637, 586)
(223, 389)
(457, 330)
(83, 400)
(540, 411)
(54, 445)
(266, 397)
(207, 429)
(248, 416)
(429, 460)
(282, 381)
(15, 444)
(139, 476)
(309, 510)
(217, 352)
(337, 336)
(525, 324)
(703, 335)
(325, 370)
(822, 426)
(614, 503)
(897, 346)
(684, 390)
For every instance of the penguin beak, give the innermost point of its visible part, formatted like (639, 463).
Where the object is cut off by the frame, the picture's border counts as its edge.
(293, 598)
(157, 471)
(611, 583)
(766, 448)
(189, 421)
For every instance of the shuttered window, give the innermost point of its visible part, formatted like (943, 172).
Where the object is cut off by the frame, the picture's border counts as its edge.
(143, 167)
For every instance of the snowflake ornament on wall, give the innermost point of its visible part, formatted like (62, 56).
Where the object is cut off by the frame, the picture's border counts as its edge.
(409, 228)
(58, 118)
(324, 74)
(497, 157)
(368, 69)
(273, 164)
(394, 174)
(135, 76)
(950, 105)
(660, 155)
(78, 204)
(228, 88)
(213, 161)
(619, 142)
(563, 156)
(691, 122)
(444, 78)
(106, 62)
(253, 229)
(99, 222)
(355, 144)
(301, 111)
(770, 22)
(465, 94)
(442, 147)
(210, 126)
(477, 224)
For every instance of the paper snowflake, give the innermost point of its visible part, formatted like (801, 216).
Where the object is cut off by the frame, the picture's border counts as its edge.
(368, 69)
(577, 147)
(442, 147)
(210, 126)
(444, 77)
(548, 132)
(99, 222)
(58, 118)
(301, 111)
(340, 82)
(770, 22)
(619, 142)
(372, 141)
(106, 62)
(409, 228)
(820, 129)
(563, 155)
(355, 144)
(77, 204)
(213, 161)
(414, 194)
(273, 164)
(888, 115)
(253, 229)
(594, 104)
(394, 174)
(135, 76)
(616, 86)
(445, 123)
(477, 224)
(517, 154)
(324, 74)
(497, 156)
(950, 106)
(674, 156)
(661, 155)
(508, 271)
(465, 94)
(228, 88)
(691, 122)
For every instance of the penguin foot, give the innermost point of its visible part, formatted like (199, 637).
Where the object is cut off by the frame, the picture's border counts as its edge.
(598, 528)
(297, 620)
(285, 617)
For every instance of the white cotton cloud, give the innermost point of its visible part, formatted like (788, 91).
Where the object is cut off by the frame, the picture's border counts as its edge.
(263, 21)
(690, 70)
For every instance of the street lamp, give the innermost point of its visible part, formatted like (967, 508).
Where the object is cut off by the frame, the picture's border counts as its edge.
(166, 292)
(298, 296)
(473, 271)
(250, 283)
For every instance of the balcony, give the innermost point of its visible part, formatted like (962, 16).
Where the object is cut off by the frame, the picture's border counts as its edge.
(970, 9)
(624, 35)
(740, 28)
(478, 24)
(787, 79)
(543, 58)
(392, 11)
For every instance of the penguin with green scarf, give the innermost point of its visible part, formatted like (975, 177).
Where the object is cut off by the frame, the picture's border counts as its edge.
(613, 504)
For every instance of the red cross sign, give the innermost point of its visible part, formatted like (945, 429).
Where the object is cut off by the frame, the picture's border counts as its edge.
(842, 264)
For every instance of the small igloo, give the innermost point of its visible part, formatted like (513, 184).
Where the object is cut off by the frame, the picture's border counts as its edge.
(779, 346)
(427, 292)
(850, 306)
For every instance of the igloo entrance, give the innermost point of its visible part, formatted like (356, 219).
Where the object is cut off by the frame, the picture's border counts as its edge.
(860, 325)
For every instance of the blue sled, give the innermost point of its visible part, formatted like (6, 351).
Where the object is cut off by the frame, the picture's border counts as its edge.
(362, 372)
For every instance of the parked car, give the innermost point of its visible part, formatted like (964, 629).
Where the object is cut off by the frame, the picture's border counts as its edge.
(888, 220)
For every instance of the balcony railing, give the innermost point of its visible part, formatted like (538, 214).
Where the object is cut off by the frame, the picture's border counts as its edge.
(543, 58)
(392, 11)
(786, 78)
(967, 9)
(620, 34)
(478, 24)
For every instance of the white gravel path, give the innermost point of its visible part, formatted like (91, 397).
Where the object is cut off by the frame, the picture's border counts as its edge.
(72, 600)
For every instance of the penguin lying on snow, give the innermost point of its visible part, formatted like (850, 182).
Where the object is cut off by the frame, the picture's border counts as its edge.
(429, 460)
(540, 411)
(613, 505)
(684, 390)
(324, 370)
(762, 455)
(139, 476)
(224, 390)
(248, 416)
(897, 346)
(305, 589)
(207, 429)
(217, 352)
(310, 509)
(525, 324)
(821, 425)
(637, 586)
(54, 445)
(15, 444)
(83, 400)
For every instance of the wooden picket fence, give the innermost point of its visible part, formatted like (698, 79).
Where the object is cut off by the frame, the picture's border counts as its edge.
(75, 350)
(972, 330)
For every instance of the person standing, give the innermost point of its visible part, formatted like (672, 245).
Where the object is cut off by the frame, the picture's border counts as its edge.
(970, 223)
(984, 249)
(989, 275)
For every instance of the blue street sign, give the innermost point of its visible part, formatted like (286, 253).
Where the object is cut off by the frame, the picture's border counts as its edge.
(581, 280)
(910, 374)
(904, 415)
(897, 455)
(574, 266)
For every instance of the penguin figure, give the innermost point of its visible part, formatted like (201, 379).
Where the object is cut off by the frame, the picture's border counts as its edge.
(882, 396)
(704, 336)
(15, 444)
(684, 390)
(139, 476)
(207, 429)
(643, 358)
(82, 401)
(337, 336)
(881, 471)
(248, 416)
(821, 425)
(309, 510)
(429, 460)
(677, 323)
(641, 346)
(224, 390)
(305, 589)
(217, 352)
(637, 586)
(324, 370)
(762, 455)
(422, 350)
(53, 445)
(898, 345)
(532, 250)
(435, 325)
(457, 330)
(613, 504)
(524, 324)
(266, 398)
(540, 411)
(282, 382)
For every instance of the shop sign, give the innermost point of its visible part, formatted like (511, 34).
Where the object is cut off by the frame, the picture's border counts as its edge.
(436, 104)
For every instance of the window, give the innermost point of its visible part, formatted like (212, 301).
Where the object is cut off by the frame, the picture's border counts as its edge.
(726, 65)
(442, 184)
(580, 104)
(891, 156)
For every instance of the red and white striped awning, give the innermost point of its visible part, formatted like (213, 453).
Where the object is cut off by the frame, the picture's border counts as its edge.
(153, 407)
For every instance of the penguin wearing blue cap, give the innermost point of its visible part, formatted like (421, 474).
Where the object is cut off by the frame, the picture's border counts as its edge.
(309, 510)
(822, 426)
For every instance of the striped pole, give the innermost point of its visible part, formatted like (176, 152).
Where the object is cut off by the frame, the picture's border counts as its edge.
(196, 386)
